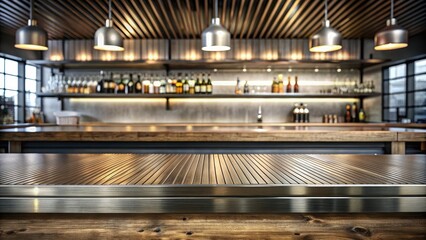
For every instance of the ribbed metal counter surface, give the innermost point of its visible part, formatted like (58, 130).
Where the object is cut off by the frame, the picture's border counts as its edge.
(151, 183)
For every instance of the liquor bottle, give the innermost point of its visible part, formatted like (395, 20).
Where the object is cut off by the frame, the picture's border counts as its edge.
(246, 87)
(296, 113)
(85, 86)
(192, 85)
(361, 115)
(151, 84)
(156, 84)
(130, 88)
(302, 117)
(105, 86)
(100, 83)
(121, 87)
(288, 90)
(179, 85)
(259, 115)
(145, 84)
(203, 87)
(348, 115)
(138, 85)
(306, 113)
(111, 84)
(163, 86)
(354, 112)
(280, 83)
(274, 85)
(209, 85)
(296, 85)
(185, 85)
(173, 85)
(197, 86)
(238, 87)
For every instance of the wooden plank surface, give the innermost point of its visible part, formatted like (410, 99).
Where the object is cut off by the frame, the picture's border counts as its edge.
(287, 132)
(212, 226)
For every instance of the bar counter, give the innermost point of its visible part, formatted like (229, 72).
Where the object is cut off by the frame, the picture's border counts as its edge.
(211, 183)
(373, 138)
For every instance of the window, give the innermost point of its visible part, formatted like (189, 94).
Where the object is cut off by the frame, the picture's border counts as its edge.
(19, 84)
(404, 92)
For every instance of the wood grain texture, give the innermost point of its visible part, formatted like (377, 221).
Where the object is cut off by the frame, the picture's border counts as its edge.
(398, 147)
(412, 136)
(200, 133)
(212, 226)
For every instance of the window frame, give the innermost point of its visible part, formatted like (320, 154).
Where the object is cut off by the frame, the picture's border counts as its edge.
(21, 106)
(409, 93)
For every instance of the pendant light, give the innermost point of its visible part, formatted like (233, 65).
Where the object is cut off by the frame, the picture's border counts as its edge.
(107, 38)
(216, 37)
(327, 39)
(31, 37)
(392, 37)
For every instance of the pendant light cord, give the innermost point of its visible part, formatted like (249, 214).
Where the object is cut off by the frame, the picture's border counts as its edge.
(391, 9)
(326, 11)
(109, 10)
(31, 8)
(215, 8)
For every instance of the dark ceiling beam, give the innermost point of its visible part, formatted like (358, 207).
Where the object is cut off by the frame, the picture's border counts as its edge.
(167, 18)
(161, 20)
(379, 16)
(281, 19)
(262, 18)
(271, 17)
(153, 22)
(301, 20)
(199, 18)
(181, 29)
(132, 20)
(192, 18)
(184, 20)
(244, 23)
(254, 18)
(237, 20)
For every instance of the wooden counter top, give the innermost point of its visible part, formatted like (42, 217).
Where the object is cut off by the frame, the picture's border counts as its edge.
(213, 132)
(311, 132)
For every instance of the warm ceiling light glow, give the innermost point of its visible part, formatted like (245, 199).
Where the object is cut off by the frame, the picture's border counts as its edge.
(339, 70)
(269, 69)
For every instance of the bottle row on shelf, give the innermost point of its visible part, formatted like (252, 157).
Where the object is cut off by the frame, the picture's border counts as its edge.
(300, 113)
(352, 114)
(350, 87)
(131, 84)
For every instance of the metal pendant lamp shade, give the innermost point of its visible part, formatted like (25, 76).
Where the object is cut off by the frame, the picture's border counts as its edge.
(31, 37)
(216, 37)
(392, 37)
(327, 39)
(107, 38)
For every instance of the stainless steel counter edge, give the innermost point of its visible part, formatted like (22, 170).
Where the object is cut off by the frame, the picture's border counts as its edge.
(178, 190)
(214, 205)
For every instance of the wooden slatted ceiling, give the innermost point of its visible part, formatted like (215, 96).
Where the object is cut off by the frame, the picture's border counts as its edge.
(173, 19)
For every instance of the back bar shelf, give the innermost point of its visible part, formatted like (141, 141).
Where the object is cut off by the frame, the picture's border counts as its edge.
(62, 96)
